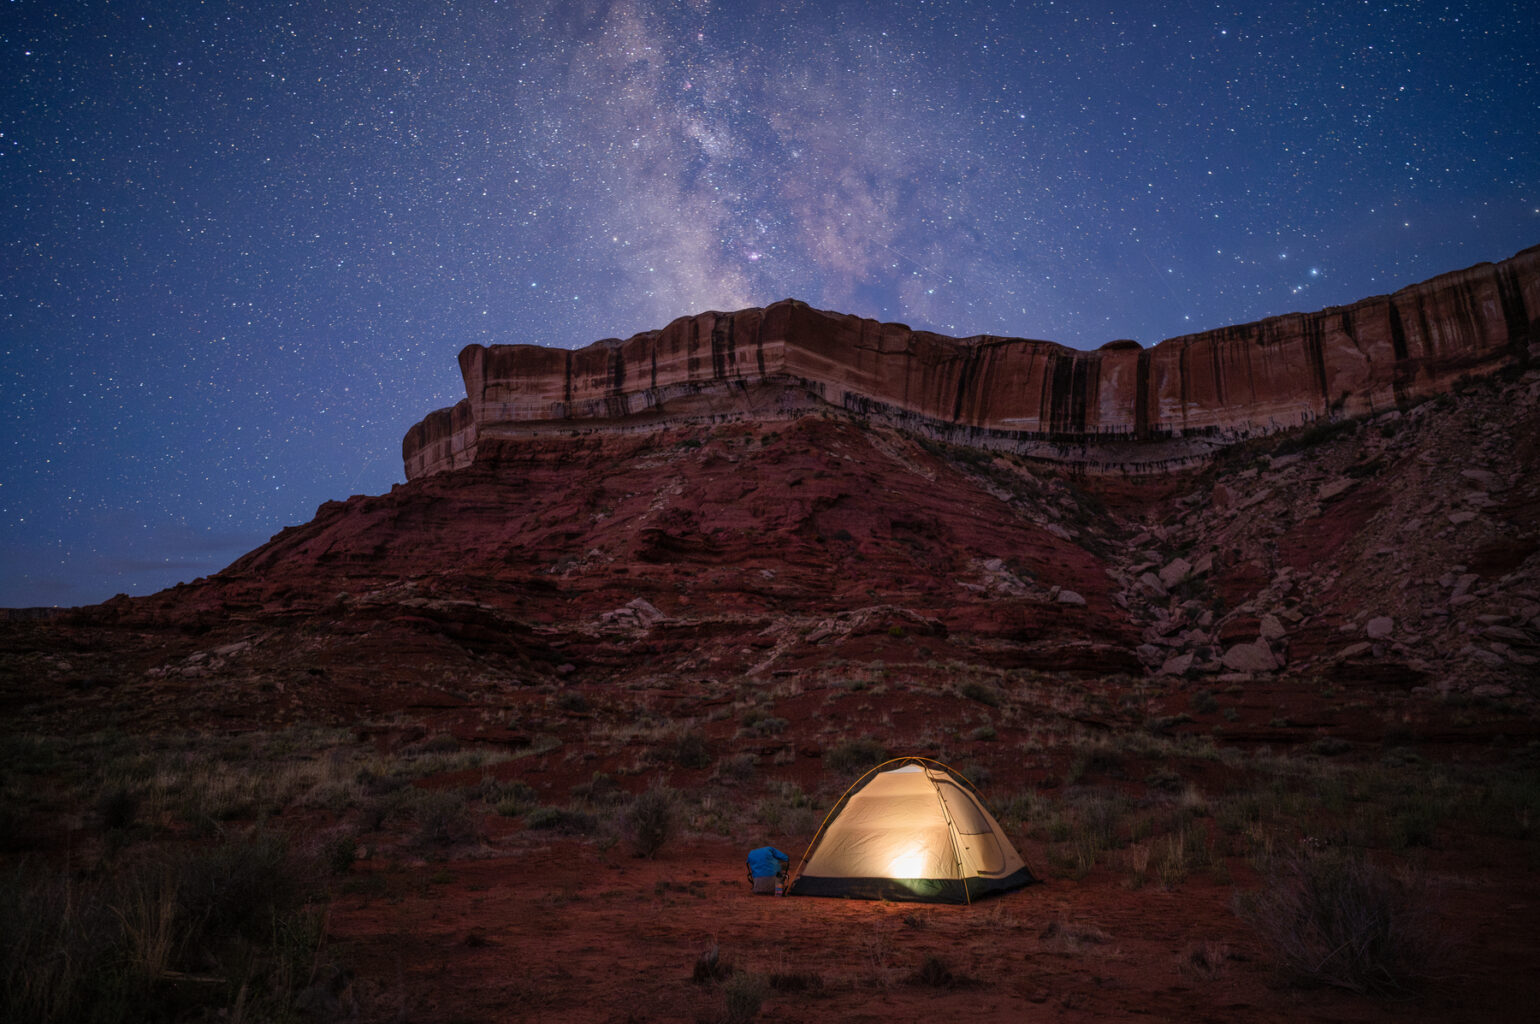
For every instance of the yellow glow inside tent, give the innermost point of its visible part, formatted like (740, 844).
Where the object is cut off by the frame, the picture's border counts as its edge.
(908, 864)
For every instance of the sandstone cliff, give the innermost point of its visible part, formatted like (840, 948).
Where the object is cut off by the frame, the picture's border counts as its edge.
(1121, 408)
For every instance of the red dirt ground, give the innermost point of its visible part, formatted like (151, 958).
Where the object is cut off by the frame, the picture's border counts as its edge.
(561, 931)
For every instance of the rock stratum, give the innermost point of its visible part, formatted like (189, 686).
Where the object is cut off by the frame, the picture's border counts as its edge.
(1121, 408)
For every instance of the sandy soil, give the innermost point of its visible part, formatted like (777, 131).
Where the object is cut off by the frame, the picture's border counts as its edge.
(563, 931)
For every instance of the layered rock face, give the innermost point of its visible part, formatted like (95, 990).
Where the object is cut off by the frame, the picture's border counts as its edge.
(1121, 408)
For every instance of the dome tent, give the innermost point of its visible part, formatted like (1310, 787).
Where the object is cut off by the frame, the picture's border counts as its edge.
(910, 829)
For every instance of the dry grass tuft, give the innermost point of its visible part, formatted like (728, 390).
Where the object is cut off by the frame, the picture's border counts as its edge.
(1333, 917)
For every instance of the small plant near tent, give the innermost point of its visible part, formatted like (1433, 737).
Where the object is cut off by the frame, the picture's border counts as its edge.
(933, 972)
(709, 966)
(1205, 959)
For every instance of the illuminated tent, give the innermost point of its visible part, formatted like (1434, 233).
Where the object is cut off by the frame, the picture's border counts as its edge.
(910, 829)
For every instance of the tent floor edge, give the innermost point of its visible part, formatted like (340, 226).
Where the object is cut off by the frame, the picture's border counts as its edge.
(909, 890)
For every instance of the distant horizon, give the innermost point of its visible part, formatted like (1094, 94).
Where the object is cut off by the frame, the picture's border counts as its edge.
(901, 322)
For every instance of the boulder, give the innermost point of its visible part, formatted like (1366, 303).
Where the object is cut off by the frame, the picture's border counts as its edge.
(1175, 572)
(1481, 478)
(1253, 657)
(1177, 665)
(1332, 488)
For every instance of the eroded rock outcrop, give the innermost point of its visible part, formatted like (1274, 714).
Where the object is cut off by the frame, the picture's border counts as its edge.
(1122, 407)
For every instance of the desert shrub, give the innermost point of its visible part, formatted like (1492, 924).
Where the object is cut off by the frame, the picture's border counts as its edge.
(1098, 758)
(601, 790)
(1238, 812)
(339, 852)
(652, 819)
(1183, 850)
(689, 750)
(438, 743)
(381, 808)
(1333, 917)
(116, 948)
(1318, 433)
(572, 700)
(443, 818)
(855, 755)
(933, 972)
(745, 995)
(981, 692)
(1413, 824)
(560, 819)
(976, 772)
(1206, 959)
(118, 807)
(515, 798)
(223, 793)
(710, 966)
(1330, 746)
(1510, 807)
(787, 809)
(762, 723)
(738, 767)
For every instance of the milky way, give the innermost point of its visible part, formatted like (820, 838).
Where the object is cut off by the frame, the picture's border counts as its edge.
(244, 242)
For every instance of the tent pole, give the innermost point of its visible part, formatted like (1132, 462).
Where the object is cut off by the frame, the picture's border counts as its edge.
(951, 834)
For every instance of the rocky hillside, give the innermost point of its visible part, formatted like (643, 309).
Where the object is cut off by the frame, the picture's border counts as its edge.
(1396, 552)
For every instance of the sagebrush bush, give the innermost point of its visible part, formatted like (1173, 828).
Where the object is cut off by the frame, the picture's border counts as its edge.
(690, 750)
(981, 692)
(516, 798)
(934, 972)
(118, 807)
(737, 767)
(710, 966)
(652, 819)
(745, 995)
(1333, 917)
(444, 818)
(560, 819)
(855, 756)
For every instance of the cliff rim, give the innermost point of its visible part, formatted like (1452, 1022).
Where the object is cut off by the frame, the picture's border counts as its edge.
(1120, 408)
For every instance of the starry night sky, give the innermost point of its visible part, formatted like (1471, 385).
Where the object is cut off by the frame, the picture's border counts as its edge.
(243, 242)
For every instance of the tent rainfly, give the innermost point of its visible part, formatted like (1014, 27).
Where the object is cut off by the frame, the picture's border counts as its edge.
(910, 829)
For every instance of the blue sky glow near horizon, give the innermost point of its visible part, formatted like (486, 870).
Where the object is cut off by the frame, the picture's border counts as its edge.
(243, 242)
